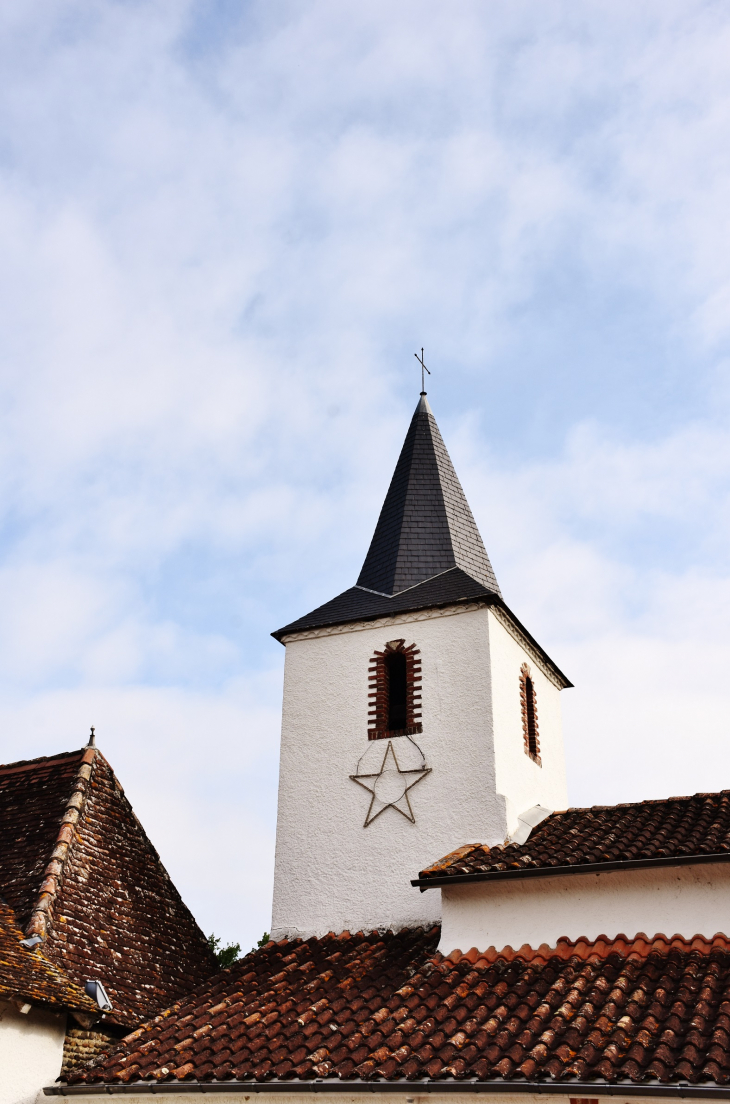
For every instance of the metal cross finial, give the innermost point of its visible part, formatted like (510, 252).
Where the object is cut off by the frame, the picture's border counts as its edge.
(423, 369)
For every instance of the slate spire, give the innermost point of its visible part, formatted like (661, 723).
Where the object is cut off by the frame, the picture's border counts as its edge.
(425, 526)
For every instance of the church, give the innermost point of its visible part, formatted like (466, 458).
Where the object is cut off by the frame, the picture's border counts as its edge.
(443, 923)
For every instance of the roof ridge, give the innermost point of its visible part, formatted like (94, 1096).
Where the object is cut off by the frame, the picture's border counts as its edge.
(42, 910)
(584, 948)
(28, 764)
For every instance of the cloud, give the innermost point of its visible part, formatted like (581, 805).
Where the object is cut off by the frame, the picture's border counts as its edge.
(614, 555)
(224, 230)
(200, 771)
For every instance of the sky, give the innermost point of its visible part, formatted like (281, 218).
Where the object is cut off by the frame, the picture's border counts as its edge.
(225, 228)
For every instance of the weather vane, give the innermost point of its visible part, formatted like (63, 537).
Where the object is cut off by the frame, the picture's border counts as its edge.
(423, 369)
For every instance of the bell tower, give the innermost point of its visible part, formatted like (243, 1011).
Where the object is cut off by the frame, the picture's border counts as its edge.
(419, 715)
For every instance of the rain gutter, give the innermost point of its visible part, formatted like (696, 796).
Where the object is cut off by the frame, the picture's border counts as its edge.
(578, 868)
(576, 1090)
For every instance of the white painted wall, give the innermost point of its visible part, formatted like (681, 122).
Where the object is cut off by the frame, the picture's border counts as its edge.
(333, 874)
(31, 1052)
(679, 900)
(518, 777)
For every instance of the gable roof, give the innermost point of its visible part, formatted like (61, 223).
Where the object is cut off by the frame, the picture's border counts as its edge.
(669, 832)
(79, 871)
(426, 550)
(28, 976)
(386, 1007)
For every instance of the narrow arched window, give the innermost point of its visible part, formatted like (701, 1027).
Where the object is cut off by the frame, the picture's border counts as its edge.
(531, 724)
(528, 701)
(395, 691)
(395, 665)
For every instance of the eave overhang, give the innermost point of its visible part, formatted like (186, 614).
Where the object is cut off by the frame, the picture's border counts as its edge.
(415, 606)
(571, 1089)
(577, 868)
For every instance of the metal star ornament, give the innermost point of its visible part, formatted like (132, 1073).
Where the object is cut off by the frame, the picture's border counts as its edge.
(389, 787)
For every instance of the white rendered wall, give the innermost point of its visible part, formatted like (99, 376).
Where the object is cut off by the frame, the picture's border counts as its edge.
(519, 778)
(679, 900)
(333, 874)
(31, 1052)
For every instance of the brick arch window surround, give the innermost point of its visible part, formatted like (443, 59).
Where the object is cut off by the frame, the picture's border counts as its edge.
(394, 691)
(528, 702)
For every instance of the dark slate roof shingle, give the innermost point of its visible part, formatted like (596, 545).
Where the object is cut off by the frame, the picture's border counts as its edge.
(676, 829)
(358, 604)
(377, 1007)
(425, 525)
(426, 550)
(79, 870)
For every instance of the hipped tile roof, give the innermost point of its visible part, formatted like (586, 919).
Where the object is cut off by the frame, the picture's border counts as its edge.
(78, 870)
(27, 976)
(388, 1007)
(676, 829)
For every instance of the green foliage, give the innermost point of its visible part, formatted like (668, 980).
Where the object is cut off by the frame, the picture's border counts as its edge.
(226, 956)
(264, 939)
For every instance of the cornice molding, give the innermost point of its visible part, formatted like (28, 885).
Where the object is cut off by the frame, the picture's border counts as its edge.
(382, 622)
(507, 623)
(408, 618)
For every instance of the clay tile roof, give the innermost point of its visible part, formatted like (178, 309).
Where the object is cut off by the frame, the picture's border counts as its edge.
(671, 831)
(387, 1007)
(27, 976)
(79, 871)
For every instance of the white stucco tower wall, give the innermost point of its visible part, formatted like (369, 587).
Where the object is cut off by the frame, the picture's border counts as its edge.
(332, 873)
(522, 781)
(419, 716)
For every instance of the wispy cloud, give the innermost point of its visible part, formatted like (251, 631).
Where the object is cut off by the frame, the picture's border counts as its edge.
(224, 229)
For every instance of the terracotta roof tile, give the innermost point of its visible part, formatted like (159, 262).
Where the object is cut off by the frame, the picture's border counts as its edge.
(79, 870)
(28, 976)
(33, 797)
(676, 829)
(387, 1007)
